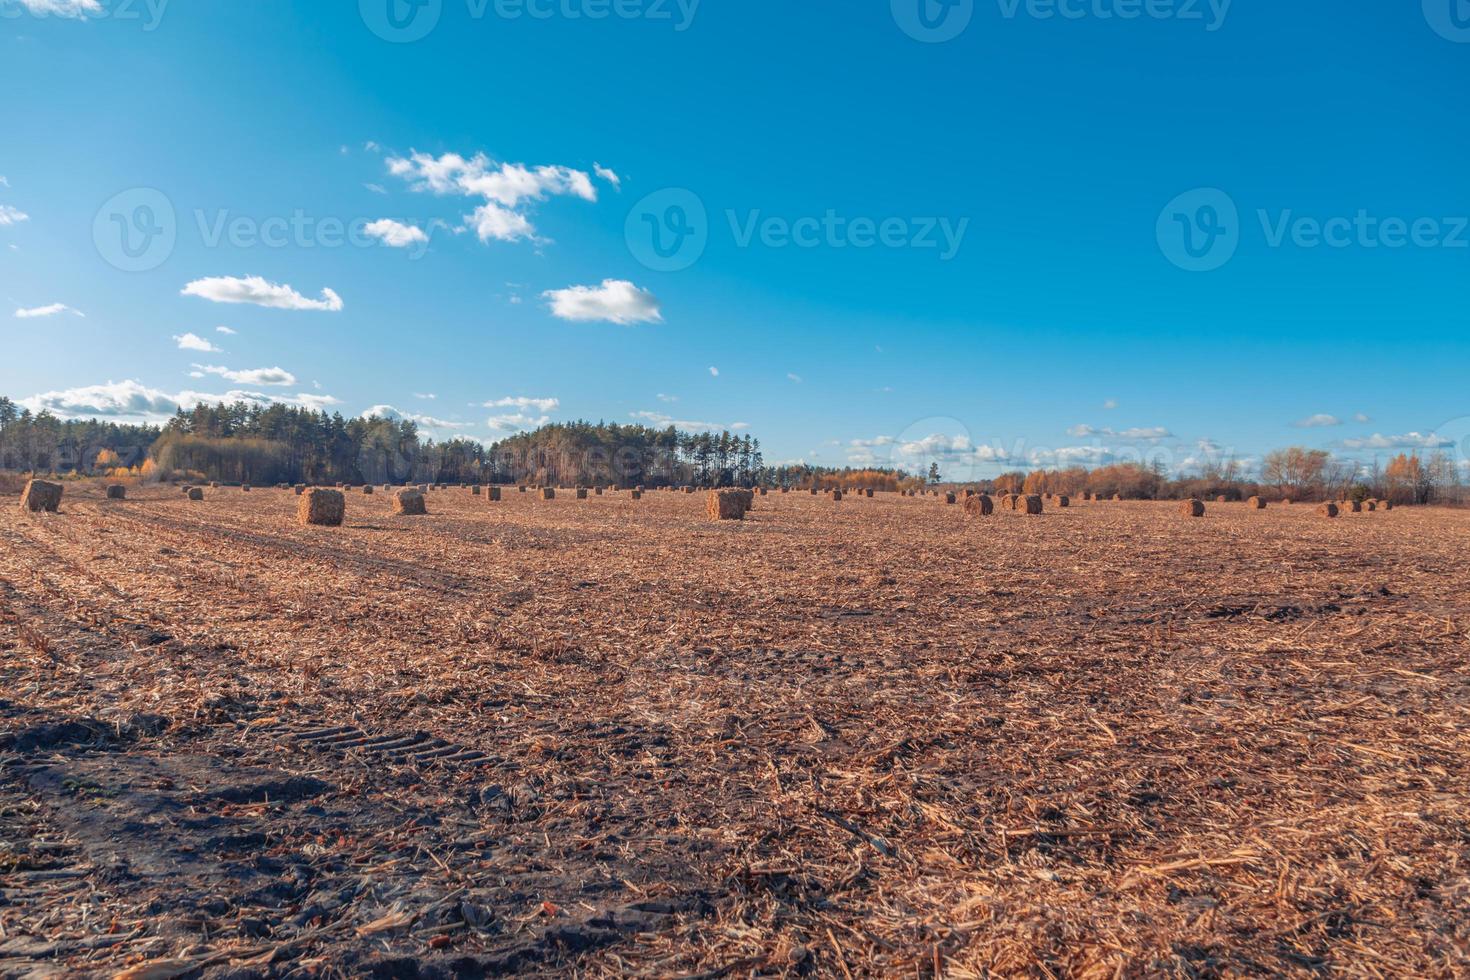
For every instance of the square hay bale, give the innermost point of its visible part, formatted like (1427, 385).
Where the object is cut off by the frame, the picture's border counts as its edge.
(1328, 509)
(548, 493)
(725, 505)
(1192, 507)
(39, 495)
(195, 493)
(492, 494)
(1256, 503)
(117, 491)
(323, 508)
(979, 505)
(1029, 504)
(409, 503)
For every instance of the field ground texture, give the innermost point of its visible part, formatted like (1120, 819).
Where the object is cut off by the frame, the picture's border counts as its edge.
(612, 738)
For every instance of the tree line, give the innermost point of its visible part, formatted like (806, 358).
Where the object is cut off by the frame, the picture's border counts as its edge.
(246, 442)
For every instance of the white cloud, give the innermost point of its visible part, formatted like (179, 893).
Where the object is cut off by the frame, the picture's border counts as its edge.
(376, 188)
(11, 216)
(1153, 433)
(492, 222)
(190, 341)
(3, 181)
(1319, 421)
(1409, 440)
(608, 175)
(428, 397)
(273, 376)
(1110, 404)
(63, 8)
(505, 188)
(668, 398)
(714, 372)
(423, 421)
(871, 443)
(794, 378)
(615, 301)
(257, 291)
(395, 234)
(132, 400)
(1362, 418)
(225, 330)
(516, 421)
(542, 405)
(1072, 456)
(52, 310)
(660, 420)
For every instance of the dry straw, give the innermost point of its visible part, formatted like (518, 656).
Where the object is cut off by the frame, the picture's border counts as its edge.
(323, 508)
(726, 505)
(979, 505)
(409, 503)
(39, 496)
(1192, 508)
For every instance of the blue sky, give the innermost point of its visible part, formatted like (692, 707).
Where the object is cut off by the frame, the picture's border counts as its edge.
(1074, 230)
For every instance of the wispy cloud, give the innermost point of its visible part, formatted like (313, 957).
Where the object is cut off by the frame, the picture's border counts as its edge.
(506, 189)
(714, 372)
(63, 8)
(272, 376)
(1408, 440)
(423, 421)
(190, 341)
(1319, 421)
(51, 310)
(608, 175)
(395, 234)
(225, 330)
(794, 378)
(133, 400)
(1152, 433)
(12, 216)
(615, 301)
(259, 292)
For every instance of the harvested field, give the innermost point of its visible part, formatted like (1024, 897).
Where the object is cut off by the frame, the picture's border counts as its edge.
(600, 739)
